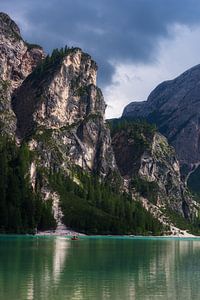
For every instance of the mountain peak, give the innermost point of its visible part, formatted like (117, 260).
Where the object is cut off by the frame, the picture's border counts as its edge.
(66, 85)
(8, 25)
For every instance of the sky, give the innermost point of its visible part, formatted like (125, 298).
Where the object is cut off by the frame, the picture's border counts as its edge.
(136, 43)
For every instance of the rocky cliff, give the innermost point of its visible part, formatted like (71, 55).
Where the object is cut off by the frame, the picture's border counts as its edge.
(17, 61)
(17, 57)
(61, 100)
(65, 156)
(174, 107)
(149, 166)
(60, 114)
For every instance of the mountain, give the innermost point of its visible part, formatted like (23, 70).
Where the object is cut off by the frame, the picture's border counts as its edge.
(60, 99)
(17, 60)
(174, 106)
(149, 160)
(63, 165)
(150, 169)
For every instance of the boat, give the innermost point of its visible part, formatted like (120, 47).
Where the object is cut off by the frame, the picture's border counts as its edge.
(74, 238)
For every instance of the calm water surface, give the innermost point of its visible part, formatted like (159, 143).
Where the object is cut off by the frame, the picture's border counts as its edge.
(99, 268)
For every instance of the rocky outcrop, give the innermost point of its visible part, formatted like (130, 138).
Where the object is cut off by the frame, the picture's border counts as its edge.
(17, 57)
(61, 100)
(150, 166)
(174, 107)
(7, 116)
(17, 61)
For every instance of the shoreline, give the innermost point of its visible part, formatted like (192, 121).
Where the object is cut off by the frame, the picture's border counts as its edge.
(61, 230)
(81, 235)
(70, 233)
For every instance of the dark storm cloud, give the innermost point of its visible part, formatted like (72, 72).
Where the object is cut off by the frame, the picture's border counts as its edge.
(110, 30)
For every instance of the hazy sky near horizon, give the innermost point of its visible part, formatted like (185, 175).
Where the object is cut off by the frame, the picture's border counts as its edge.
(136, 43)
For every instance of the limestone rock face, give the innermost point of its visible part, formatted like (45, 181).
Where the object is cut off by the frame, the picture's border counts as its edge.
(154, 161)
(53, 100)
(65, 102)
(175, 108)
(17, 61)
(7, 116)
(17, 58)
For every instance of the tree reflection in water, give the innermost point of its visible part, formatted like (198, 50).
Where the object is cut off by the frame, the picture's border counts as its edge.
(103, 268)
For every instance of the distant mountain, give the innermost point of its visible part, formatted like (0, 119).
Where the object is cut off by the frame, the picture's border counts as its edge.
(174, 106)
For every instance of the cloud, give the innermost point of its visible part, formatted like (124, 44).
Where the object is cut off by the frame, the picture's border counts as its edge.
(111, 30)
(134, 82)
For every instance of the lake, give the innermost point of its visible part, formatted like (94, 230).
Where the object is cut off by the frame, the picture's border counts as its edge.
(99, 268)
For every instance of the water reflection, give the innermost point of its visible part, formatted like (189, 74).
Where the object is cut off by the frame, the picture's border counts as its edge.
(60, 251)
(57, 268)
(30, 289)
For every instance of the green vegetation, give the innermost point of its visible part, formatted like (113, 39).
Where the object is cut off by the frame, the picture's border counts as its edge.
(21, 210)
(139, 131)
(136, 139)
(98, 208)
(193, 226)
(81, 91)
(163, 150)
(140, 134)
(42, 134)
(50, 62)
(4, 85)
(146, 189)
(89, 206)
(32, 46)
(138, 127)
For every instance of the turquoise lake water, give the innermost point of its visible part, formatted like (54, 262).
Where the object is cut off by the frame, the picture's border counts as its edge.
(99, 268)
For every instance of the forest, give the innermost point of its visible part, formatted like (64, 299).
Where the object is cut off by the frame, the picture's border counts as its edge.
(21, 209)
(91, 206)
(95, 207)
